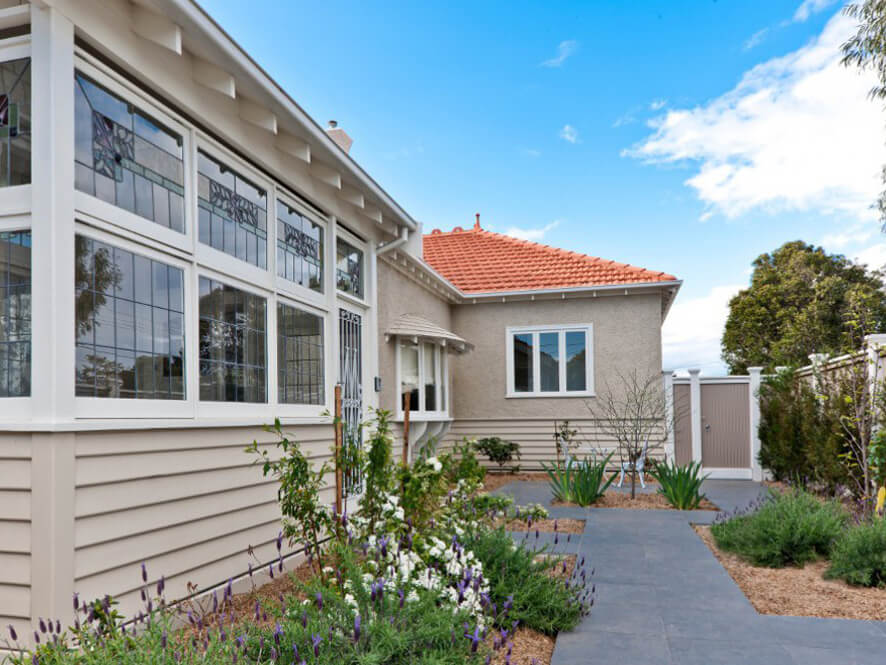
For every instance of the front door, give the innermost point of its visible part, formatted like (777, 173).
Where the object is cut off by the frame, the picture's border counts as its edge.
(350, 337)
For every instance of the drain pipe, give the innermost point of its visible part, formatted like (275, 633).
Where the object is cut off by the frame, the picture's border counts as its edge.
(385, 247)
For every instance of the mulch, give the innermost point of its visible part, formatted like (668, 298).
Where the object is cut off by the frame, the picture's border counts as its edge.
(798, 591)
(493, 481)
(567, 525)
(644, 501)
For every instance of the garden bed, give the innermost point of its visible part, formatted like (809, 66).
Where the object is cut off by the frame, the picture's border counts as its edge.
(496, 480)
(798, 591)
(567, 525)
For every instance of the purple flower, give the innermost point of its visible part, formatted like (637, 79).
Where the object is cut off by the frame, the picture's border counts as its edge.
(402, 597)
(163, 640)
(76, 602)
(474, 638)
(357, 628)
(280, 542)
(144, 572)
(278, 633)
(315, 641)
(273, 653)
(295, 652)
(319, 598)
(42, 625)
(12, 633)
(304, 619)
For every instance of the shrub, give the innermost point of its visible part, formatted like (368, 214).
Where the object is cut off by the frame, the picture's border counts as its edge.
(801, 438)
(581, 482)
(462, 464)
(859, 555)
(680, 485)
(790, 528)
(378, 466)
(518, 576)
(499, 451)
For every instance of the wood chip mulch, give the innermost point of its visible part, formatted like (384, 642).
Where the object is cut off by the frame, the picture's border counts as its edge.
(649, 501)
(799, 591)
(493, 481)
(566, 525)
(528, 644)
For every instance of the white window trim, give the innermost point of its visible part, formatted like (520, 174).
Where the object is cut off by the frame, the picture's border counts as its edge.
(283, 285)
(101, 407)
(561, 329)
(302, 410)
(110, 213)
(441, 378)
(351, 239)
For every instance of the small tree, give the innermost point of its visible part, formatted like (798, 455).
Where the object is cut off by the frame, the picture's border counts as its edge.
(499, 451)
(632, 414)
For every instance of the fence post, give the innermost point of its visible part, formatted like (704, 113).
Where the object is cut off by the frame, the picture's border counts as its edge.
(338, 449)
(669, 414)
(754, 387)
(695, 413)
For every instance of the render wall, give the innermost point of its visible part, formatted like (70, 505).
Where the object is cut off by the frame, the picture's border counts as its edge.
(626, 337)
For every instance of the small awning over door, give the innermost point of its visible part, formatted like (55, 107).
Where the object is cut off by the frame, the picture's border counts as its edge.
(422, 330)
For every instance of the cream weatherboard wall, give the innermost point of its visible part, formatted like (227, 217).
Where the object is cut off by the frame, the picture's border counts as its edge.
(626, 338)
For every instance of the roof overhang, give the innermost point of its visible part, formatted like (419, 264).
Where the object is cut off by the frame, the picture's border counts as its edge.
(419, 329)
(267, 104)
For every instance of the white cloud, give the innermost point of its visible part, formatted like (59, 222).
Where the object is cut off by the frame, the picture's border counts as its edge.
(797, 133)
(810, 7)
(756, 39)
(691, 333)
(564, 50)
(658, 104)
(532, 234)
(569, 133)
(874, 257)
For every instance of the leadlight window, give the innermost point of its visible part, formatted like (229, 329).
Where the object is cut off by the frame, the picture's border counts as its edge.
(299, 248)
(15, 122)
(232, 344)
(15, 314)
(125, 157)
(233, 212)
(349, 268)
(550, 361)
(129, 324)
(299, 356)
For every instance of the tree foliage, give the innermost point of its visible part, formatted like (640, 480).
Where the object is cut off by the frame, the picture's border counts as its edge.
(801, 300)
(867, 49)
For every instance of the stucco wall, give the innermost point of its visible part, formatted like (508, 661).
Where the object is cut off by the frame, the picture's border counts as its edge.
(627, 337)
(398, 295)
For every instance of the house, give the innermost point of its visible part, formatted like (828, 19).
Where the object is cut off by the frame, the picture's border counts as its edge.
(489, 335)
(186, 255)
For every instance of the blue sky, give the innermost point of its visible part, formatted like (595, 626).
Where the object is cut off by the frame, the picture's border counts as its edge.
(680, 135)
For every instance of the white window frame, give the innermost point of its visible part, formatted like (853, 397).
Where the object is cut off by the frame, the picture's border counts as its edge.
(16, 199)
(441, 379)
(302, 410)
(283, 285)
(101, 407)
(119, 217)
(561, 330)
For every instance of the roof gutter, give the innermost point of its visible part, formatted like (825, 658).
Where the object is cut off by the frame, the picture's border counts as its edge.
(574, 289)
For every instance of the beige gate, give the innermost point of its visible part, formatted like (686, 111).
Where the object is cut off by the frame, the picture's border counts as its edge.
(682, 424)
(725, 426)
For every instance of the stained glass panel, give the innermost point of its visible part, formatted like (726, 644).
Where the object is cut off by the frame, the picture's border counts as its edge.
(299, 248)
(233, 212)
(299, 356)
(124, 157)
(15, 122)
(349, 268)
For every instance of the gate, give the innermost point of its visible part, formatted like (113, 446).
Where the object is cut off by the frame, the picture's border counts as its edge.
(350, 335)
(715, 421)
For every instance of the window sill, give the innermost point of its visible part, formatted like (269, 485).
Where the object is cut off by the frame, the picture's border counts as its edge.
(584, 393)
(419, 417)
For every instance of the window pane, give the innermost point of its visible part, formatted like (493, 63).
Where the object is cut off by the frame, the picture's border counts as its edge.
(349, 268)
(299, 356)
(409, 375)
(549, 359)
(429, 368)
(523, 363)
(299, 248)
(231, 369)
(15, 122)
(15, 314)
(576, 343)
(237, 210)
(124, 325)
(125, 158)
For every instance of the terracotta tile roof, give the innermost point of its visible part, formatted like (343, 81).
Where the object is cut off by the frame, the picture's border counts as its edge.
(480, 261)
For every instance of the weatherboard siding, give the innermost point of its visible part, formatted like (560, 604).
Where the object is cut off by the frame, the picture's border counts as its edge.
(15, 525)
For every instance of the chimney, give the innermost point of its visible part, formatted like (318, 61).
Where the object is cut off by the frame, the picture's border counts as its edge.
(477, 223)
(339, 135)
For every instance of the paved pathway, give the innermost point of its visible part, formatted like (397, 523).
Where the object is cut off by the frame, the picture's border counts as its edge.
(663, 598)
